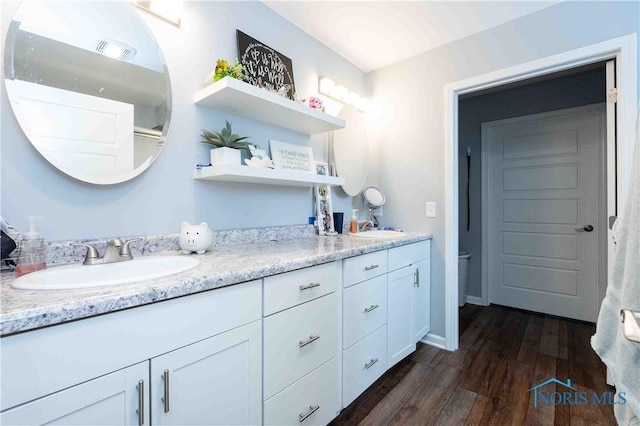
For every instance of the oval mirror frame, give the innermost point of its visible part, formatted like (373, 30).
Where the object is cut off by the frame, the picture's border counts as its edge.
(351, 150)
(373, 197)
(89, 86)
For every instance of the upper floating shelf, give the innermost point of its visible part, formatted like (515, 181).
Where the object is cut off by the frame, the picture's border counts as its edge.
(247, 174)
(243, 99)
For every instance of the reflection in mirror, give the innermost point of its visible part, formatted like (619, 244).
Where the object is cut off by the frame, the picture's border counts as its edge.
(351, 150)
(89, 87)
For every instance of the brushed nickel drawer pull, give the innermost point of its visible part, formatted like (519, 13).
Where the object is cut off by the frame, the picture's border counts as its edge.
(304, 416)
(370, 267)
(369, 364)
(310, 286)
(165, 399)
(371, 308)
(140, 409)
(311, 339)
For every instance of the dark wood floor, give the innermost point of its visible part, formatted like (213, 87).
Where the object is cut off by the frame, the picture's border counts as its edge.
(503, 353)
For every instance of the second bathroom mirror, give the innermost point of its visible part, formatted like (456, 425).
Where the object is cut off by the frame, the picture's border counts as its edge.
(351, 150)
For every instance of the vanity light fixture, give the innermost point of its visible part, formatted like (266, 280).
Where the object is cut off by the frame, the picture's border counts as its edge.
(169, 10)
(328, 87)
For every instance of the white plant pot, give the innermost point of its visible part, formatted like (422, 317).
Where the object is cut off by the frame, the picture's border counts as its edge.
(225, 156)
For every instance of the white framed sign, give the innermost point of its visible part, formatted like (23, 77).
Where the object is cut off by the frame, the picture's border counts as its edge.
(287, 156)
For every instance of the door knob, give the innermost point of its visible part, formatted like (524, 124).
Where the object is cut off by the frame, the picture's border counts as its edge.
(586, 228)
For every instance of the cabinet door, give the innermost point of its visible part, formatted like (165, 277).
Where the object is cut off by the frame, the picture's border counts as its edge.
(108, 400)
(216, 381)
(400, 321)
(423, 298)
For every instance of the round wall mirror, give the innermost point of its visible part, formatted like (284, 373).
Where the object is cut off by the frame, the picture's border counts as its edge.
(89, 86)
(373, 197)
(351, 150)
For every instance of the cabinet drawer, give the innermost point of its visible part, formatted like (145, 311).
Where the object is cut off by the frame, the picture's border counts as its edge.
(400, 257)
(363, 363)
(364, 309)
(298, 340)
(360, 268)
(293, 288)
(317, 389)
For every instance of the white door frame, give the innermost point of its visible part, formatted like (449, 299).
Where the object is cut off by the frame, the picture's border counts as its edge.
(622, 49)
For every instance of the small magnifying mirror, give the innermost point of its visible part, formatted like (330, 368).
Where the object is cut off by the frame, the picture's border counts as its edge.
(373, 197)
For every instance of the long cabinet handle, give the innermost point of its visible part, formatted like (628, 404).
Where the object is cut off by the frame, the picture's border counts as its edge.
(417, 277)
(369, 364)
(304, 416)
(371, 308)
(140, 409)
(370, 267)
(309, 286)
(311, 339)
(165, 399)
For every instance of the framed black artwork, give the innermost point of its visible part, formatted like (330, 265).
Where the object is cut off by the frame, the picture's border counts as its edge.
(265, 67)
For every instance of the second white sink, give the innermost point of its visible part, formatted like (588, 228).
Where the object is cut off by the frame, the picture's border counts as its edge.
(381, 233)
(83, 276)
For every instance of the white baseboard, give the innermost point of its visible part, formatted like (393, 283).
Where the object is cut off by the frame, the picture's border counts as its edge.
(434, 340)
(473, 300)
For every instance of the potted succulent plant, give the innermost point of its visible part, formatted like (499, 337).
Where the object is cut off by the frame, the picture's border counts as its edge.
(226, 145)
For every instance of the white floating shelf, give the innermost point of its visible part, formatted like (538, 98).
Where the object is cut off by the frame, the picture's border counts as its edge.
(257, 175)
(238, 97)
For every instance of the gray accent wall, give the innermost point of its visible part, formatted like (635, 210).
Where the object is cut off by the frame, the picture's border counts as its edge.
(584, 88)
(408, 126)
(161, 198)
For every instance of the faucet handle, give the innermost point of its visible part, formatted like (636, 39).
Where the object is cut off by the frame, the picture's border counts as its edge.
(125, 250)
(92, 253)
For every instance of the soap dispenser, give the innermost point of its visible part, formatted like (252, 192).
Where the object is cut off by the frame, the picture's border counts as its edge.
(31, 250)
(353, 226)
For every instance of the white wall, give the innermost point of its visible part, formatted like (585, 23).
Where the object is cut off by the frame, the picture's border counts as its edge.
(409, 127)
(162, 197)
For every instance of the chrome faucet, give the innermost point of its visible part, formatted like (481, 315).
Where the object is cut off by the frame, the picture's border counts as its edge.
(363, 226)
(116, 251)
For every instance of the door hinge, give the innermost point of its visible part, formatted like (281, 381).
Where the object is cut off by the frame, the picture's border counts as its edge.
(612, 96)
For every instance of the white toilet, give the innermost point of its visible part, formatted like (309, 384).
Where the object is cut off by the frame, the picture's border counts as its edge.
(463, 276)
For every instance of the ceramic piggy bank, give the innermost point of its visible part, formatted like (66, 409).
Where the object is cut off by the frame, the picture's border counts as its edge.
(196, 238)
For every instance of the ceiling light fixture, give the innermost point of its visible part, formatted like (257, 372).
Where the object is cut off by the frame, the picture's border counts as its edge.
(115, 49)
(339, 92)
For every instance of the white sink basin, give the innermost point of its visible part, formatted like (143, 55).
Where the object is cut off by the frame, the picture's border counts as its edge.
(378, 234)
(83, 276)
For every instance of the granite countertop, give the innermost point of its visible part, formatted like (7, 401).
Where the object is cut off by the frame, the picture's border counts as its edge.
(22, 310)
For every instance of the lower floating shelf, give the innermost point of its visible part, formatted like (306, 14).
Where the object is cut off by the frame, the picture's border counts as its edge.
(257, 175)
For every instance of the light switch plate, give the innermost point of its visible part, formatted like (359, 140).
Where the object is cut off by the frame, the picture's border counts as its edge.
(431, 209)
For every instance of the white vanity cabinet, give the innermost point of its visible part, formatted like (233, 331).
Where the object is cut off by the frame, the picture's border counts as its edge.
(364, 313)
(409, 285)
(386, 310)
(301, 341)
(91, 371)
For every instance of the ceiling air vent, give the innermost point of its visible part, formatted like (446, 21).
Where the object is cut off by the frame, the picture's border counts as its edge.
(115, 50)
